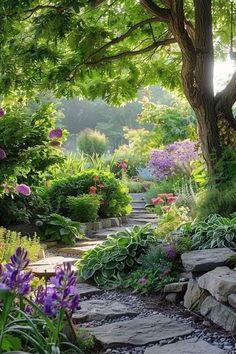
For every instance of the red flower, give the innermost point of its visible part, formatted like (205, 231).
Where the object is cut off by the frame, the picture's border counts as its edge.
(164, 195)
(123, 165)
(171, 200)
(92, 190)
(165, 208)
(156, 201)
(95, 179)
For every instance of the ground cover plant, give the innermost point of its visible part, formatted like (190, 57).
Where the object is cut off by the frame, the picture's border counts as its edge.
(35, 322)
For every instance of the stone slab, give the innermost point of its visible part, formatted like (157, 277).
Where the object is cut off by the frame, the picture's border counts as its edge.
(220, 314)
(180, 287)
(188, 346)
(194, 295)
(205, 260)
(46, 267)
(220, 283)
(87, 290)
(80, 249)
(140, 331)
(97, 310)
(232, 300)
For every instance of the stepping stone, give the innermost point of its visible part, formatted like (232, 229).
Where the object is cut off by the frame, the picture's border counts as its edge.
(143, 220)
(97, 310)
(205, 260)
(46, 267)
(142, 215)
(87, 290)
(140, 331)
(188, 346)
(80, 249)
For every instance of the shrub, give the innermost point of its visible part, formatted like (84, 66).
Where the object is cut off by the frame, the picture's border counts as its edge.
(216, 201)
(10, 240)
(214, 232)
(137, 185)
(164, 186)
(92, 142)
(55, 227)
(83, 208)
(169, 221)
(113, 194)
(108, 263)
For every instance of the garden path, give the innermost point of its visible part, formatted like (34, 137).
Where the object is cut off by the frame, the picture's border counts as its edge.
(121, 323)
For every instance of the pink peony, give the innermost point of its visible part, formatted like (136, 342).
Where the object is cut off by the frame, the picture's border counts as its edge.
(156, 201)
(23, 189)
(171, 200)
(165, 208)
(55, 133)
(2, 154)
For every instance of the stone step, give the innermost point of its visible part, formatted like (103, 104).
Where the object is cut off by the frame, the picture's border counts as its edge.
(104, 233)
(140, 331)
(139, 196)
(187, 346)
(87, 290)
(142, 221)
(138, 207)
(97, 310)
(78, 250)
(46, 267)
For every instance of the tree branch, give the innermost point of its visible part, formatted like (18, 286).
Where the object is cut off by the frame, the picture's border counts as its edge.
(129, 53)
(35, 9)
(122, 37)
(162, 14)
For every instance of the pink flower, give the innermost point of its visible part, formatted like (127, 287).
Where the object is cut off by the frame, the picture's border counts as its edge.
(95, 179)
(55, 133)
(123, 165)
(142, 281)
(164, 195)
(171, 200)
(92, 190)
(165, 208)
(2, 112)
(2, 154)
(23, 189)
(156, 201)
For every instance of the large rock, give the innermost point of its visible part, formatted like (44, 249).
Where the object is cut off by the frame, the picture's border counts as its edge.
(97, 310)
(194, 295)
(232, 300)
(140, 331)
(205, 260)
(188, 346)
(220, 283)
(218, 313)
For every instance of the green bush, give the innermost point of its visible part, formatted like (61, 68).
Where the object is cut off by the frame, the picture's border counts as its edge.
(55, 227)
(214, 232)
(137, 185)
(109, 263)
(83, 208)
(10, 240)
(220, 201)
(92, 142)
(113, 194)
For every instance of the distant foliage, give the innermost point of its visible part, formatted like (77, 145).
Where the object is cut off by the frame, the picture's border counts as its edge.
(92, 142)
(83, 208)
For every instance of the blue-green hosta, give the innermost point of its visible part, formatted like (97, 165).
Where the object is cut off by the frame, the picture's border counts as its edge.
(214, 232)
(108, 263)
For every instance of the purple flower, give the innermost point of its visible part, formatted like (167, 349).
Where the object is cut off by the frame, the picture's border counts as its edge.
(3, 154)
(55, 133)
(2, 112)
(142, 281)
(170, 252)
(165, 272)
(15, 277)
(23, 189)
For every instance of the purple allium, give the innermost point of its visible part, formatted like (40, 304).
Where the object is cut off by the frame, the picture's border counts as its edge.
(55, 133)
(15, 277)
(170, 251)
(3, 154)
(2, 112)
(142, 281)
(177, 156)
(23, 189)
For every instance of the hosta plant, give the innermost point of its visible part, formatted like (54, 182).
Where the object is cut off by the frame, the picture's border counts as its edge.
(55, 227)
(120, 254)
(214, 232)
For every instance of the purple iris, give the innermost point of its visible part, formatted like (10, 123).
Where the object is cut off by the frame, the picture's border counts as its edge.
(23, 189)
(3, 154)
(142, 281)
(15, 278)
(2, 112)
(55, 133)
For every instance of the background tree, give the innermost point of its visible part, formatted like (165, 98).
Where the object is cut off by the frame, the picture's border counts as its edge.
(109, 49)
(92, 142)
